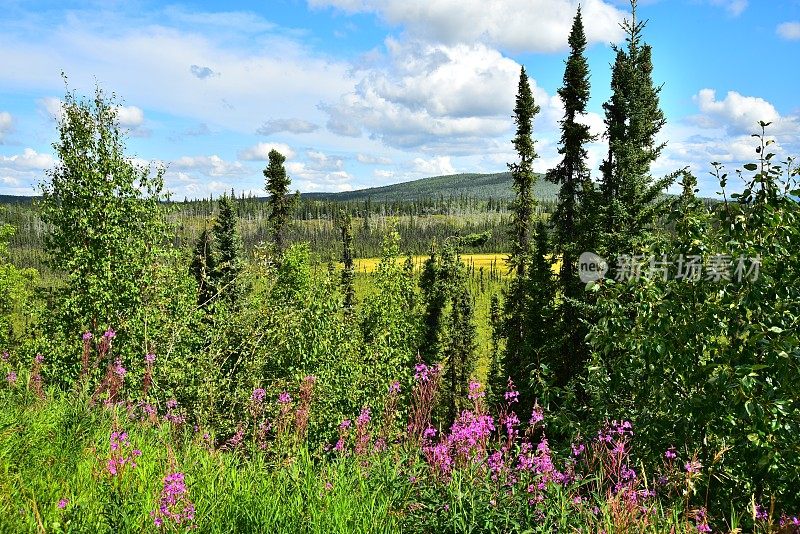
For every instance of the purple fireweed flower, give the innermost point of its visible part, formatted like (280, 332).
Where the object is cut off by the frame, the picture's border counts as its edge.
(512, 396)
(422, 373)
(119, 370)
(430, 432)
(174, 504)
(87, 336)
(761, 513)
(700, 517)
(110, 333)
(786, 520)
(670, 454)
(328, 486)
(394, 387)
(364, 417)
(4, 357)
(11, 378)
(577, 450)
(284, 398)
(345, 424)
(172, 404)
(627, 473)
(474, 391)
(693, 467)
(149, 357)
(235, 440)
(258, 395)
(63, 503)
(39, 358)
(537, 415)
(496, 463)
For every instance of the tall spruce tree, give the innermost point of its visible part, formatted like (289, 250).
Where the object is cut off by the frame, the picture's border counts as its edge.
(203, 267)
(348, 271)
(572, 174)
(434, 299)
(449, 331)
(633, 119)
(228, 248)
(521, 332)
(522, 174)
(459, 352)
(280, 202)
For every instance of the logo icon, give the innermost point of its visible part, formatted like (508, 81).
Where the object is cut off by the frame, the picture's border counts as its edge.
(591, 267)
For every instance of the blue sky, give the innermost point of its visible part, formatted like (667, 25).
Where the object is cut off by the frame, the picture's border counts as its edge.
(360, 93)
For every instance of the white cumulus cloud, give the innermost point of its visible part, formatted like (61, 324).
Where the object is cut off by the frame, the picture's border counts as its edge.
(403, 104)
(520, 25)
(370, 159)
(260, 152)
(789, 31)
(130, 116)
(741, 114)
(295, 126)
(29, 160)
(436, 166)
(209, 166)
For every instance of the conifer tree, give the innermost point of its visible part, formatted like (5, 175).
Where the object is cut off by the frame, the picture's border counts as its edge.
(522, 174)
(459, 352)
(203, 268)
(572, 174)
(496, 377)
(348, 271)
(228, 249)
(518, 356)
(435, 299)
(280, 202)
(633, 119)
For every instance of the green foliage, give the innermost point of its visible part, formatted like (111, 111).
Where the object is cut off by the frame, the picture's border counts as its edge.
(16, 286)
(348, 272)
(712, 365)
(522, 174)
(227, 249)
(390, 320)
(448, 321)
(203, 267)
(279, 201)
(104, 217)
(633, 119)
(571, 219)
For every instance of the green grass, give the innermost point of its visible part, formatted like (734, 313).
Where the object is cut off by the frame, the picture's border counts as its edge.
(58, 449)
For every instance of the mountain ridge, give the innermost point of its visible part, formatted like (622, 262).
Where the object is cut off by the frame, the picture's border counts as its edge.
(473, 185)
(497, 186)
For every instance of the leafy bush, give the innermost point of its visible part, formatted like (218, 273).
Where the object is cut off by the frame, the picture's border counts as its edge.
(713, 365)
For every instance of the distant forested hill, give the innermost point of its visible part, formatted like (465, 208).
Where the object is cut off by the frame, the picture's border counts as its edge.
(477, 186)
(495, 186)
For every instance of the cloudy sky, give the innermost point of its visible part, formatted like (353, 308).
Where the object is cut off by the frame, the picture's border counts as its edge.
(360, 93)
